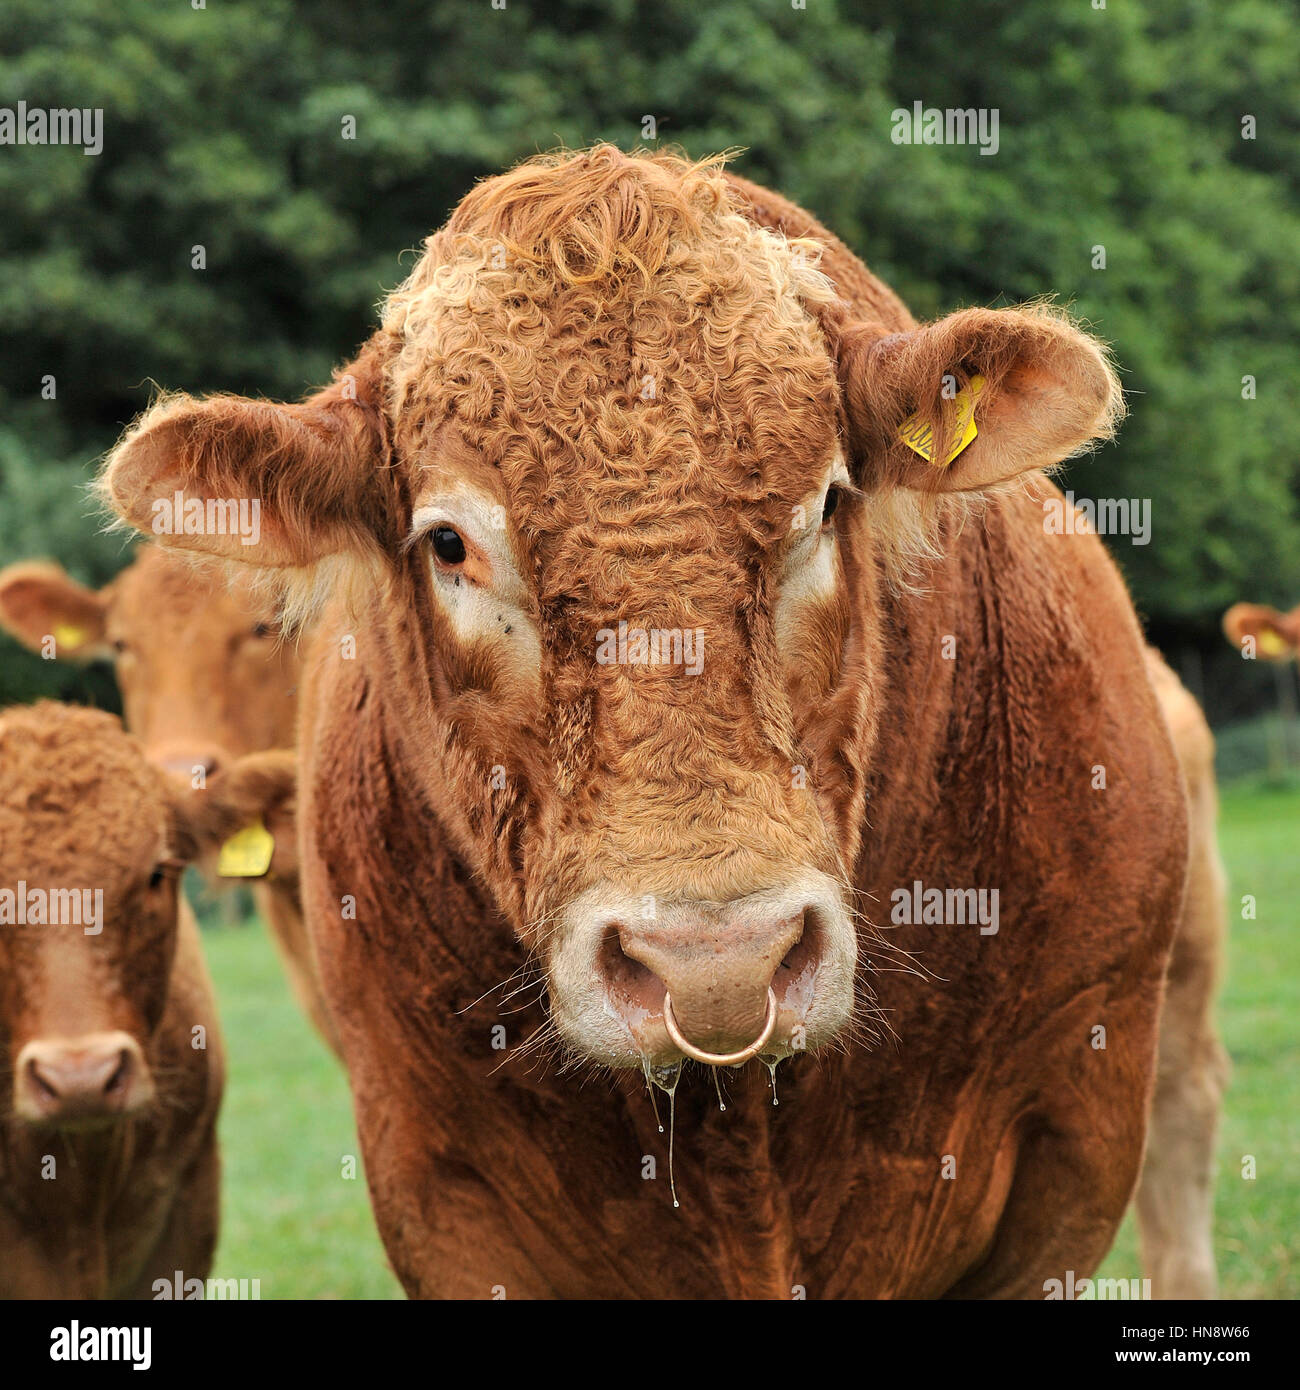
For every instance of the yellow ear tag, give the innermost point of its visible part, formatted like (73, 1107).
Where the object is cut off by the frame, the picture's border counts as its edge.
(247, 854)
(915, 432)
(1270, 644)
(69, 635)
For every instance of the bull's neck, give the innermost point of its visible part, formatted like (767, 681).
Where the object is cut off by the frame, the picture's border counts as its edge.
(946, 664)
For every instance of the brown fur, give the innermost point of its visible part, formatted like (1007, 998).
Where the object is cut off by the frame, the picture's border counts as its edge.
(207, 675)
(524, 372)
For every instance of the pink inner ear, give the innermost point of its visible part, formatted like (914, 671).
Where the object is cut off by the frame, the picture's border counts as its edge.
(1051, 405)
(1024, 386)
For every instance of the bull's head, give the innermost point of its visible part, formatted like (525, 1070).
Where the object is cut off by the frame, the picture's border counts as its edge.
(621, 468)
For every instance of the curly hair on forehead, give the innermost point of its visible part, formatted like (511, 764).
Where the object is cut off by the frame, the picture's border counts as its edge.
(589, 214)
(558, 284)
(78, 791)
(597, 218)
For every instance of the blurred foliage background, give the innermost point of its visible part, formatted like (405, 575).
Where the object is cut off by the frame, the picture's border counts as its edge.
(224, 127)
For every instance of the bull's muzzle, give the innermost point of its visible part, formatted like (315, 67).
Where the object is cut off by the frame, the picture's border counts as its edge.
(719, 981)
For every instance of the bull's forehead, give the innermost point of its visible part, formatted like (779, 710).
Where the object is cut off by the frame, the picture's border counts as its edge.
(611, 460)
(725, 448)
(670, 375)
(628, 503)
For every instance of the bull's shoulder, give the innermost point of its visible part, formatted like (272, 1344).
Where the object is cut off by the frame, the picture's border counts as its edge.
(1053, 614)
(1058, 597)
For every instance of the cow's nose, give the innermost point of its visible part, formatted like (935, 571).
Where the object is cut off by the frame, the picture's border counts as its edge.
(716, 979)
(187, 761)
(95, 1077)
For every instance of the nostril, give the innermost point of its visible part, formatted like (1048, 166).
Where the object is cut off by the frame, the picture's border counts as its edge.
(120, 1075)
(42, 1084)
(618, 968)
(805, 949)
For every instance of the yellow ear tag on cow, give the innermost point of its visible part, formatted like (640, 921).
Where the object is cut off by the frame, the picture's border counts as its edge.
(1270, 644)
(247, 854)
(69, 635)
(915, 432)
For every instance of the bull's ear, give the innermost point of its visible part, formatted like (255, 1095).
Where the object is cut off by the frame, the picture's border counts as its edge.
(1040, 390)
(1259, 631)
(245, 816)
(259, 481)
(40, 604)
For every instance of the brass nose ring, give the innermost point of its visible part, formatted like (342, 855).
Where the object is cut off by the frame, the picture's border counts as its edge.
(720, 1059)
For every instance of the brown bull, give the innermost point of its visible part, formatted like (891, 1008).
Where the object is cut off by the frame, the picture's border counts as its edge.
(205, 679)
(654, 667)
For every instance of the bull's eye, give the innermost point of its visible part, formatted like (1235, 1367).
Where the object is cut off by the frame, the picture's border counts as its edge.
(830, 504)
(169, 870)
(166, 872)
(264, 630)
(448, 546)
(119, 645)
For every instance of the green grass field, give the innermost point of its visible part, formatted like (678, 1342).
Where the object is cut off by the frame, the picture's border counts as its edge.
(292, 1220)
(289, 1217)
